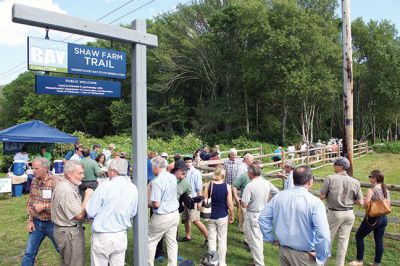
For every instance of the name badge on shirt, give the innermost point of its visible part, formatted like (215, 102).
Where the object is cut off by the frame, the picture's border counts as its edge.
(46, 194)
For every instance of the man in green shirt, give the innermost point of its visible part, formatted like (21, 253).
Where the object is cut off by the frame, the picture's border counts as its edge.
(179, 171)
(92, 171)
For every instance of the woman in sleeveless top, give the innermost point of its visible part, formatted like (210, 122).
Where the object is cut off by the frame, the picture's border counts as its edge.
(376, 225)
(221, 213)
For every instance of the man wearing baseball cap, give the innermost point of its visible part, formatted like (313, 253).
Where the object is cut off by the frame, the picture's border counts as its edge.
(189, 216)
(341, 192)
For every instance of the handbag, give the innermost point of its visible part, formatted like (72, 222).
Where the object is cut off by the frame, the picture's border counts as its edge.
(378, 207)
(205, 212)
(185, 201)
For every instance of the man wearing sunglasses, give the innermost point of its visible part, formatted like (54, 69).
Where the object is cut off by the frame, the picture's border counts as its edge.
(341, 192)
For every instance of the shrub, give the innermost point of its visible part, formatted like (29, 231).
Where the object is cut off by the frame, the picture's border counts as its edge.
(387, 147)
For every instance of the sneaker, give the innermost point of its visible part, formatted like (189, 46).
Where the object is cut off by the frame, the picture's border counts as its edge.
(159, 259)
(375, 264)
(205, 244)
(356, 263)
(185, 239)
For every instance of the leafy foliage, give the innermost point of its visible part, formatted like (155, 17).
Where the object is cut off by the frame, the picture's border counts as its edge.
(387, 147)
(266, 70)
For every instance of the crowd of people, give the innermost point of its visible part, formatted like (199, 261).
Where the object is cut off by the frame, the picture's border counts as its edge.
(313, 150)
(58, 206)
(293, 218)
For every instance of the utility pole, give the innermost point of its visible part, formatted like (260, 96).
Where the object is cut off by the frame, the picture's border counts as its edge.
(347, 84)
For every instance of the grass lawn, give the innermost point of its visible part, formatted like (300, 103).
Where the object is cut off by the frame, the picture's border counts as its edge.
(13, 234)
(387, 163)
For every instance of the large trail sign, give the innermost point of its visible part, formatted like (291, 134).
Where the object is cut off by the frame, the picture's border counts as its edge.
(55, 56)
(139, 40)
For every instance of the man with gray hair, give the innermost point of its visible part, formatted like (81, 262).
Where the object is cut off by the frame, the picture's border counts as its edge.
(287, 174)
(164, 222)
(112, 206)
(239, 184)
(231, 166)
(67, 212)
(255, 196)
(341, 192)
(39, 209)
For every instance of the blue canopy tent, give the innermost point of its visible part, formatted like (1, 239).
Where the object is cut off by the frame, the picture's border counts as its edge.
(34, 131)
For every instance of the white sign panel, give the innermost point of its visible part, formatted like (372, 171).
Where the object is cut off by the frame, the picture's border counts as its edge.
(5, 185)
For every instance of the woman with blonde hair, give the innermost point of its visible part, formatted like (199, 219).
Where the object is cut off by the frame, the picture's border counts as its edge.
(221, 213)
(377, 225)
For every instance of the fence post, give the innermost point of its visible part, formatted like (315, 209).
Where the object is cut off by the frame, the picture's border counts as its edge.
(307, 154)
(323, 155)
(261, 150)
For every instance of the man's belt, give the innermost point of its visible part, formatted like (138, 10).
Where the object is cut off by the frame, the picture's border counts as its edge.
(253, 211)
(76, 225)
(296, 249)
(341, 210)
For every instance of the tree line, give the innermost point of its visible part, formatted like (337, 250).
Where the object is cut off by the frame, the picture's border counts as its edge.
(269, 70)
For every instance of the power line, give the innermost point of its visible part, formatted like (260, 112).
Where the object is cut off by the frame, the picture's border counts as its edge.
(10, 69)
(115, 10)
(106, 15)
(175, 8)
(136, 9)
(130, 12)
(15, 71)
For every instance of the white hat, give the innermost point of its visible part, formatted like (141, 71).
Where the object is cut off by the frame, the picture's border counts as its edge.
(164, 154)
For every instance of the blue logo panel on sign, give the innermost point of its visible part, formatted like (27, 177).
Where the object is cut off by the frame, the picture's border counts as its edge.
(94, 61)
(77, 86)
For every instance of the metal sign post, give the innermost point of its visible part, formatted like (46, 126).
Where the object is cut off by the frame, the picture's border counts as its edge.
(139, 40)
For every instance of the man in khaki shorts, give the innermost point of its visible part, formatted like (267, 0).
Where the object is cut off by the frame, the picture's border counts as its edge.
(193, 177)
(341, 192)
(67, 210)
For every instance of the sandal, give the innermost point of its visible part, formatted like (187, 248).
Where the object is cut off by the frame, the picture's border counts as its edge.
(185, 239)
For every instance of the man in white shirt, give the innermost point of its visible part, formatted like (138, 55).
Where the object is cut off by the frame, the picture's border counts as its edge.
(287, 174)
(112, 206)
(162, 191)
(193, 177)
(255, 196)
(77, 155)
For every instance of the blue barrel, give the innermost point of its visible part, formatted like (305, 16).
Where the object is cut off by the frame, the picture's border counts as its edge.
(19, 167)
(17, 190)
(58, 167)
